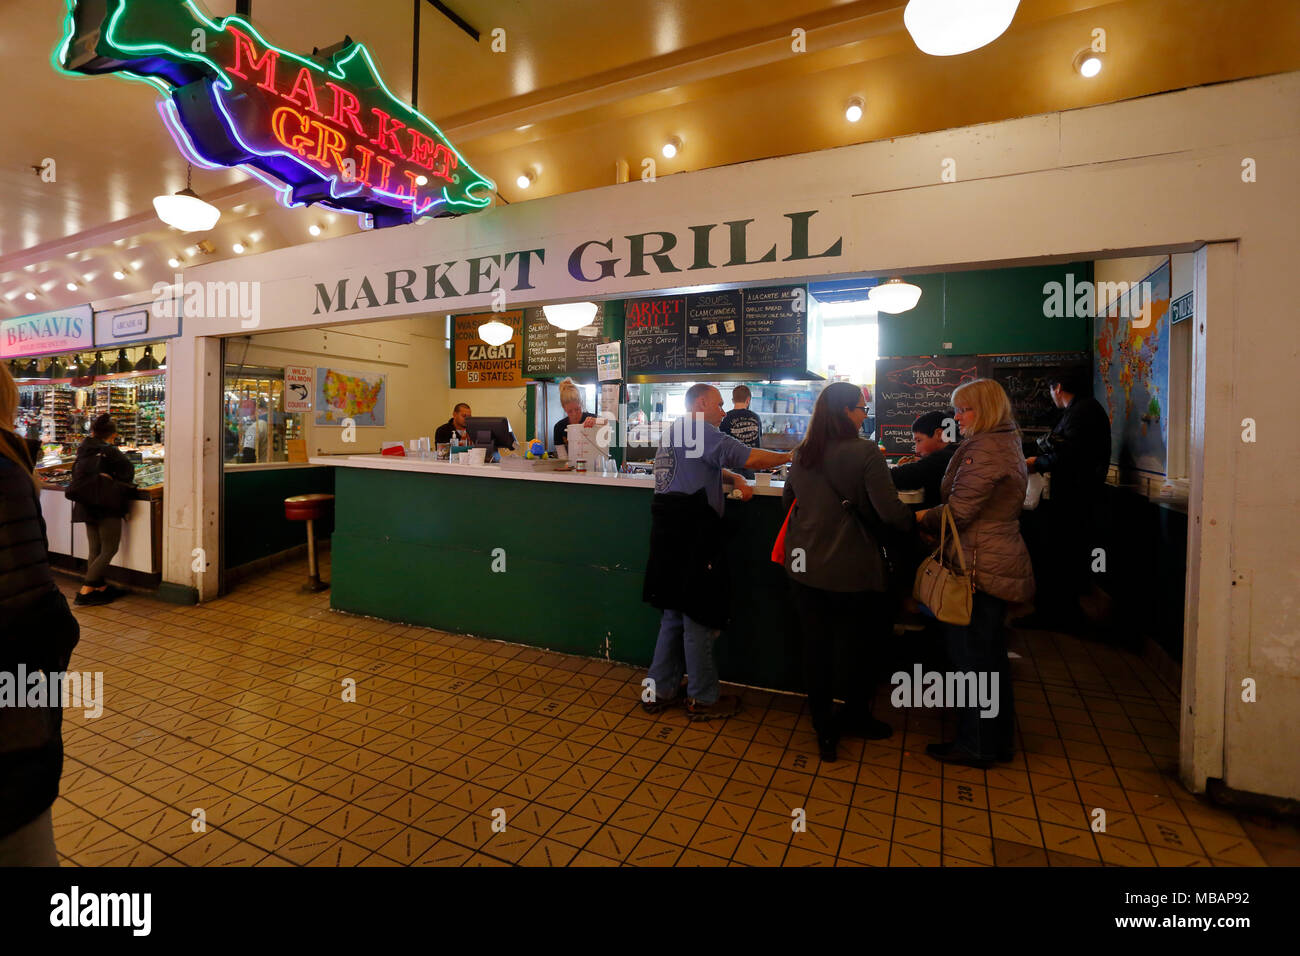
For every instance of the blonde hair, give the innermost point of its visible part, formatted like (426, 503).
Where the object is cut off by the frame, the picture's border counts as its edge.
(569, 392)
(988, 400)
(10, 448)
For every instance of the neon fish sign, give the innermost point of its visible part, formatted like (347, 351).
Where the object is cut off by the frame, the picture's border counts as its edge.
(325, 125)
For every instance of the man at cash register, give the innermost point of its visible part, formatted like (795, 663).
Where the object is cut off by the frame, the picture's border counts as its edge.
(571, 402)
(454, 426)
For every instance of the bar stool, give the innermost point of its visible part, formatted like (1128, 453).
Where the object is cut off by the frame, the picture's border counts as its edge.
(310, 508)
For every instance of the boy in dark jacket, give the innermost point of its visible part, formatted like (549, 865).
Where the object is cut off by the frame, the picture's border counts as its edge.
(935, 435)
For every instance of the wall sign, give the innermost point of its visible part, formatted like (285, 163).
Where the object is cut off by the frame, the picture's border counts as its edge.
(1026, 378)
(59, 331)
(325, 125)
(907, 388)
(120, 328)
(609, 361)
(550, 352)
(298, 388)
(479, 365)
(126, 325)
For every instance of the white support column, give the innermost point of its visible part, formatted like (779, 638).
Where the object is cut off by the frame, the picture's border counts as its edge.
(193, 482)
(1214, 441)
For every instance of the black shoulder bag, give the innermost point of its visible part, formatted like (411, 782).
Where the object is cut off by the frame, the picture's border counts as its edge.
(97, 490)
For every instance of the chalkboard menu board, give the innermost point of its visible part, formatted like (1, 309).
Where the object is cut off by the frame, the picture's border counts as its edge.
(713, 330)
(776, 328)
(554, 353)
(1026, 376)
(907, 388)
(654, 334)
(732, 330)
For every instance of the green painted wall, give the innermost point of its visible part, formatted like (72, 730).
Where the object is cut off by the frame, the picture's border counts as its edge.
(255, 526)
(418, 548)
(985, 312)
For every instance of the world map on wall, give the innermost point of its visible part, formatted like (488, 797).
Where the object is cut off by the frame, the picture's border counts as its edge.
(1131, 344)
(360, 396)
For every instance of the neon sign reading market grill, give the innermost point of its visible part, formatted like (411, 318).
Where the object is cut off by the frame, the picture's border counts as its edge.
(325, 126)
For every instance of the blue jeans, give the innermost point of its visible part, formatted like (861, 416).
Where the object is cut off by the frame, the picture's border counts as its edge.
(685, 646)
(982, 647)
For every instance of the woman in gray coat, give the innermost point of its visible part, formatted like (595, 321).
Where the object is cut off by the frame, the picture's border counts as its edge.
(834, 563)
(984, 491)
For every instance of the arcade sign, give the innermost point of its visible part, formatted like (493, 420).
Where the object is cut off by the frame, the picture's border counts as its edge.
(325, 126)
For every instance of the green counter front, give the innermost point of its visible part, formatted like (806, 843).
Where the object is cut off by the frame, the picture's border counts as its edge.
(548, 563)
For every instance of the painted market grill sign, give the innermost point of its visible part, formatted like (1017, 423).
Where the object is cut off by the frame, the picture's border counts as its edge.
(324, 126)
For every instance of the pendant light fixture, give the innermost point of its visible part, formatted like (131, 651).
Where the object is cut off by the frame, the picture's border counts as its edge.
(570, 315)
(77, 369)
(894, 296)
(123, 364)
(185, 210)
(495, 332)
(950, 27)
(147, 363)
(98, 367)
(54, 369)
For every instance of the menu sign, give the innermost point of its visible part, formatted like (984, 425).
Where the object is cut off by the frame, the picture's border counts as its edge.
(775, 324)
(713, 330)
(1026, 377)
(550, 352)
(907, 388)
(654, 330)
(479, 365)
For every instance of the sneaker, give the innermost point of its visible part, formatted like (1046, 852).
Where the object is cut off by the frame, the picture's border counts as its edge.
(93, 599)
(728, 705)
(663, 703)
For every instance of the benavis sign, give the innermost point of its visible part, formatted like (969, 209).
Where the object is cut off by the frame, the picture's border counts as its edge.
(59, 331)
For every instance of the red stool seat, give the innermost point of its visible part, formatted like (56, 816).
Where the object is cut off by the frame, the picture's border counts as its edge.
(308, 507)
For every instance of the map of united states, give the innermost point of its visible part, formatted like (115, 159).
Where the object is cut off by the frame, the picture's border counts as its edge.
(350, 396)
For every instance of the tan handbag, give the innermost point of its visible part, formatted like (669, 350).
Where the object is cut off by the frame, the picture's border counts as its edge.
(947, 593)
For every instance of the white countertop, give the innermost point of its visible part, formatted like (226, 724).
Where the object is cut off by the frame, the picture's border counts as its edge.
(432, 466)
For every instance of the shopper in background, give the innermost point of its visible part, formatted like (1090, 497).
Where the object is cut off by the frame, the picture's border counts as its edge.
(255, 441)
(454, 427)
(935, 436)
(37, 633)
(834, 562)
(742, 424)
(574, 413)
(99, 454)
(984, 491)
(1077, 456)
(686, 573)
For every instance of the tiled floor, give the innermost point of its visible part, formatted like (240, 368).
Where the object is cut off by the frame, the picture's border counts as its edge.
(236, 709)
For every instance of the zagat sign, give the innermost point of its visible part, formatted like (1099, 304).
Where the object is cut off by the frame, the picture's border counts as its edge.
(324, 126)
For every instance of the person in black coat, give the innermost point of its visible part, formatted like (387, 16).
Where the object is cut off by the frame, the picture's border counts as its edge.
(1077, 456)
(934, 449)
(103, 526)
(37, 633)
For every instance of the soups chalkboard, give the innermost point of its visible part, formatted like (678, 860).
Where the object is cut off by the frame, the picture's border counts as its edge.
(1026, 377)
(713, 330)
(907, 388)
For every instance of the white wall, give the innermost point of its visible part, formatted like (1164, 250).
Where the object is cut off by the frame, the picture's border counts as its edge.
(1126, 178)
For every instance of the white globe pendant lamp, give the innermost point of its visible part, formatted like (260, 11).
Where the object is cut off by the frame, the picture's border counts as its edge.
(495, 332)
(894, 296)
(950, 27)
(185, 210)
(570, 315)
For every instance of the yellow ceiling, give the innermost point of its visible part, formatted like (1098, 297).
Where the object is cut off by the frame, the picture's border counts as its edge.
(581, 85)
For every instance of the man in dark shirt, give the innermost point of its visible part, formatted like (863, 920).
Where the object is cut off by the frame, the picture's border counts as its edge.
(453, 426)
(1077, 455)
(742, 424)
(936, 440)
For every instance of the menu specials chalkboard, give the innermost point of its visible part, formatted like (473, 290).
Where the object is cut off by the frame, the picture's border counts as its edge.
(654, 333)
(713, 330)
(1026, 376)
(554, 353)
(775, 327)
(907, 388)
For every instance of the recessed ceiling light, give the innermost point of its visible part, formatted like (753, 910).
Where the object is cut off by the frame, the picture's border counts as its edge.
(853, 112)
(672, 147)
(72, 287)
(30, 296)
(174, 262)
(314, 229)
(1087, 63)
(524, 180)
(119, 275)
(89, 276)
(238, 247)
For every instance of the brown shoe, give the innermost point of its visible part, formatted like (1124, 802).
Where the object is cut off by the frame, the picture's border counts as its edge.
(662, 704)
(728, 705)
